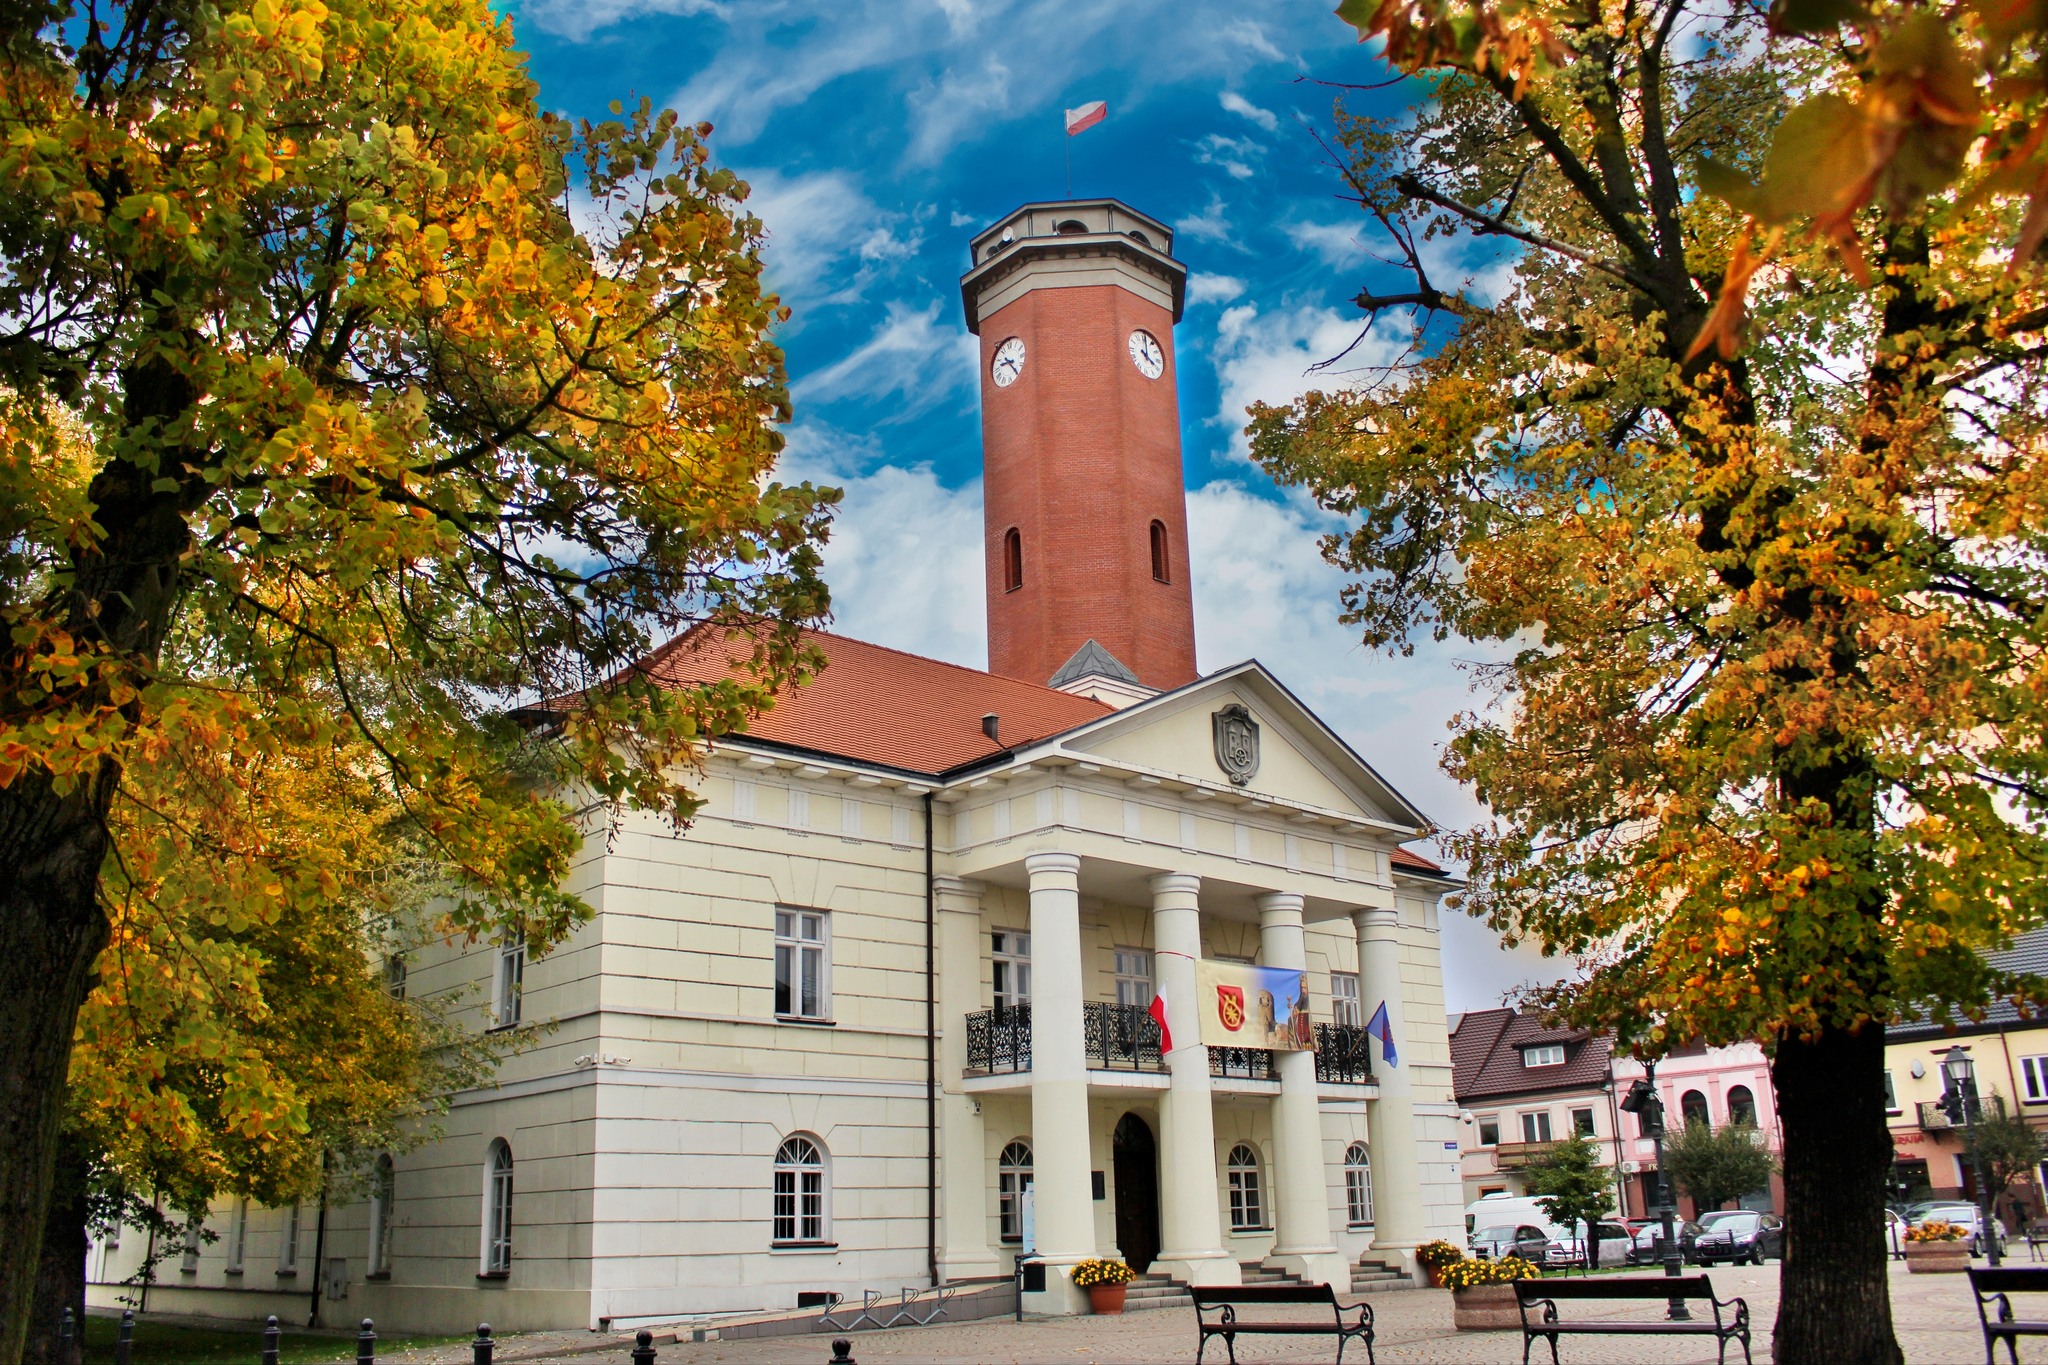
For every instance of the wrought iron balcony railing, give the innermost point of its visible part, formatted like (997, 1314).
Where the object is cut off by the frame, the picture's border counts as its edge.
(1935, 1119)
(1120, 1037)
(1241, 1063)
(999, 1040)
(1343, 1054)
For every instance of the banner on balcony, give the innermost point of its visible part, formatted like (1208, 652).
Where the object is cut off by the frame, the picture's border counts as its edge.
(1246, 1006)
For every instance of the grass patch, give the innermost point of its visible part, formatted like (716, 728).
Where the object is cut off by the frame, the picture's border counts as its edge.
(164, 1344)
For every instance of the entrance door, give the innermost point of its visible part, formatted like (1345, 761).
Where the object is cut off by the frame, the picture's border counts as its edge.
(1136, 1157)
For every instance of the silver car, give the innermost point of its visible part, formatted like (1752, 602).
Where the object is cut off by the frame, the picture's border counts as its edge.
(1967, 1216)
(1567, 1249)
(1497, 1243)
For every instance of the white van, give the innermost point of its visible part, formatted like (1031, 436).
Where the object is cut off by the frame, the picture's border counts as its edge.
(1502, 1220)
(1498, 1210)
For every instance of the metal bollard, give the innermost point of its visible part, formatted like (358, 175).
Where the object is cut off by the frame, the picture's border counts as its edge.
(842, 1352)
(65, 1328)
(124, 1344)
(270, 1340)
(366, 1344)
(480, 1349)
(643, 1347)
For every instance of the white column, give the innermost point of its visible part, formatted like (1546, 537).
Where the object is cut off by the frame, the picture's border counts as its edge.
(1302, 1243)
(1190, 1228)
(964, 1174)
(1065, 1200)
(1390, 1119)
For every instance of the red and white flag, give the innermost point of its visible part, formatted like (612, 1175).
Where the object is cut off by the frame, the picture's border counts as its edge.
(1087, 116)
(1158, 1013)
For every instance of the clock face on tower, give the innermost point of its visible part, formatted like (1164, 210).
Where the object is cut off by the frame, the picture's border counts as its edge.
(1146, 355)
(1007, 363)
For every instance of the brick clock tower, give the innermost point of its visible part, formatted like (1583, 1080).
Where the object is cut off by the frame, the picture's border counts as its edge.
(1086, 536)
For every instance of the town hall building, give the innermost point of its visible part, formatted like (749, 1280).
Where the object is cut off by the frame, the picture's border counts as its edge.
(880, 1016)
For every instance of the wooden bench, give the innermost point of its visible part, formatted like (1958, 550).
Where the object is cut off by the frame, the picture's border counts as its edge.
(2037, 1237)
(1223, 1300)
(1996, 1287)
(1547, 1294)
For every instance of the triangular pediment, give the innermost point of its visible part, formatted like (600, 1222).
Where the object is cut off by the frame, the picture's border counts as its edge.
(1300, 760)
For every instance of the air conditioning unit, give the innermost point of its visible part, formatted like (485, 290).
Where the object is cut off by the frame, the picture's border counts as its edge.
(1631, 1167)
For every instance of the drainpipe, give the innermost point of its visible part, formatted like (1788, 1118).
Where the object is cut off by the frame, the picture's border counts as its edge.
(1614, 1119)
(931, 1056)
(319, 1244)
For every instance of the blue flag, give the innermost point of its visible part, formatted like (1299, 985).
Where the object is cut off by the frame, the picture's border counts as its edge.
(1381, 1026)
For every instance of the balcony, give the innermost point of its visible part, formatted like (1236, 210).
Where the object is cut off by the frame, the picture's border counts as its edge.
(1933, 1119)
(1343, 1055)
(1241, 1063)
(1115, 1038)
(1513, 1156)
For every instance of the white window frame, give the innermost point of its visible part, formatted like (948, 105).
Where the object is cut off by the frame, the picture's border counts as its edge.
(383, 1200)
(1013, 1177)
(1482, 1123)
(1345, 1009)
(288, 1247)
(803, 960)
(508, 982)
(1543, 1054)
(1131, 969)
(1533, 1121)
(495, 1259)
(188, 1263)
(1010, 967)
(238, 1238)
(2034, 1080)
(1588, 1128)
(395, 972)
(1246, 1182)
(1358, 1185)
(1891, 1094)
(801, 1207)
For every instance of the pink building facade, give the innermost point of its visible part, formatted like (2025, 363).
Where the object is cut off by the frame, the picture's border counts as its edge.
(1721, 1085)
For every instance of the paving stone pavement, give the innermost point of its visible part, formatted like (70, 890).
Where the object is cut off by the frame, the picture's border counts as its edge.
(1936, 1320)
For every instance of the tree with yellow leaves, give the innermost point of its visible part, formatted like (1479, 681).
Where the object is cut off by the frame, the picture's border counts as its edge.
(1742, 474)
(324, 429)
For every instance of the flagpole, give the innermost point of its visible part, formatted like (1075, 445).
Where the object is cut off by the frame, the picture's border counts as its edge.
(1069, 139)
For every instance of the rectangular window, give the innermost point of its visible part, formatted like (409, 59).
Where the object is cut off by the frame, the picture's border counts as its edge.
(1012, 955)
(1536, 1127)
(1582, 1122)
(1550, 1054)
(288, 1249)
(394, 976)
(1891, 1096)
(189, 1265)
(1344, 1011)
(1489, 1131)
(2034, 1079)
(238, 1237)
(1247, 1200)
(511, 979)
(800, 1204)
(1010, 1187)
(801, 941)
(1133, 976)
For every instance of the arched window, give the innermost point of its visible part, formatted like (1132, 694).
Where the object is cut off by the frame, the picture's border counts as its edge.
(1070, 227)
(799, 1192)
(1013, 560)
(1247, 1190)
(1162, 569)
(1741, 1105)
(383, 1197)
(1013, 1177)
(1139, 236)
(1693, 1105)
(498, 1209)
(1358, 1185)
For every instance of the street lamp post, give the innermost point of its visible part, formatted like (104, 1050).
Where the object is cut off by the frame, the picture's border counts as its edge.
(1643, 1102)
(1959, 1101)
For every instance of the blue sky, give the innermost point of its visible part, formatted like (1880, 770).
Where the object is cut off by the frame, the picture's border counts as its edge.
(879, 135)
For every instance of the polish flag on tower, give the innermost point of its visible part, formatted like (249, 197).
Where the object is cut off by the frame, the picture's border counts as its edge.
(1087, 116)
(1158, 1013)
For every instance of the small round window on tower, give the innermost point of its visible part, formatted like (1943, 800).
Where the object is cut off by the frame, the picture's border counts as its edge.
(1069, 227)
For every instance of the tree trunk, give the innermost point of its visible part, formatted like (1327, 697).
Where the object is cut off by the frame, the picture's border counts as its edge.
(60, 1282)
(1835, 1302)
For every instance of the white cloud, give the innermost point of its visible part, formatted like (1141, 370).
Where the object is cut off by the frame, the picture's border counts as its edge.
(1484, 271)
(815, 223)
(1252, 38)
(1232, 155)
(911, 356)
(1206, 288)
(1266, 357)
(958, 219)
(959, 103)
(1335, 243)
(1212, 224)
(577, 20)
(1238, 104)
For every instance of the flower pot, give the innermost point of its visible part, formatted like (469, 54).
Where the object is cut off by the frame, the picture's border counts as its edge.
(1436, 1276)
(1107, 1298)
(1485, 1308)
(1937, 1258)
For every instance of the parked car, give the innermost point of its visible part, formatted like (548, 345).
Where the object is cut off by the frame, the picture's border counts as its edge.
(1738, 1236)
(1509, 1239)
(1564, 1249)
(1648, 1248)
(1964, 1215)
(1895, 1235)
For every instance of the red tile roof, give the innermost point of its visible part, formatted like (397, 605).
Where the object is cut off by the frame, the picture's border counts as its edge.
(1486, 1056)
(1414, 862)
(877, 705)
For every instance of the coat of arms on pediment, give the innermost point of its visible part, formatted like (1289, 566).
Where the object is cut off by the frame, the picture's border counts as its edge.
(1237, 744)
